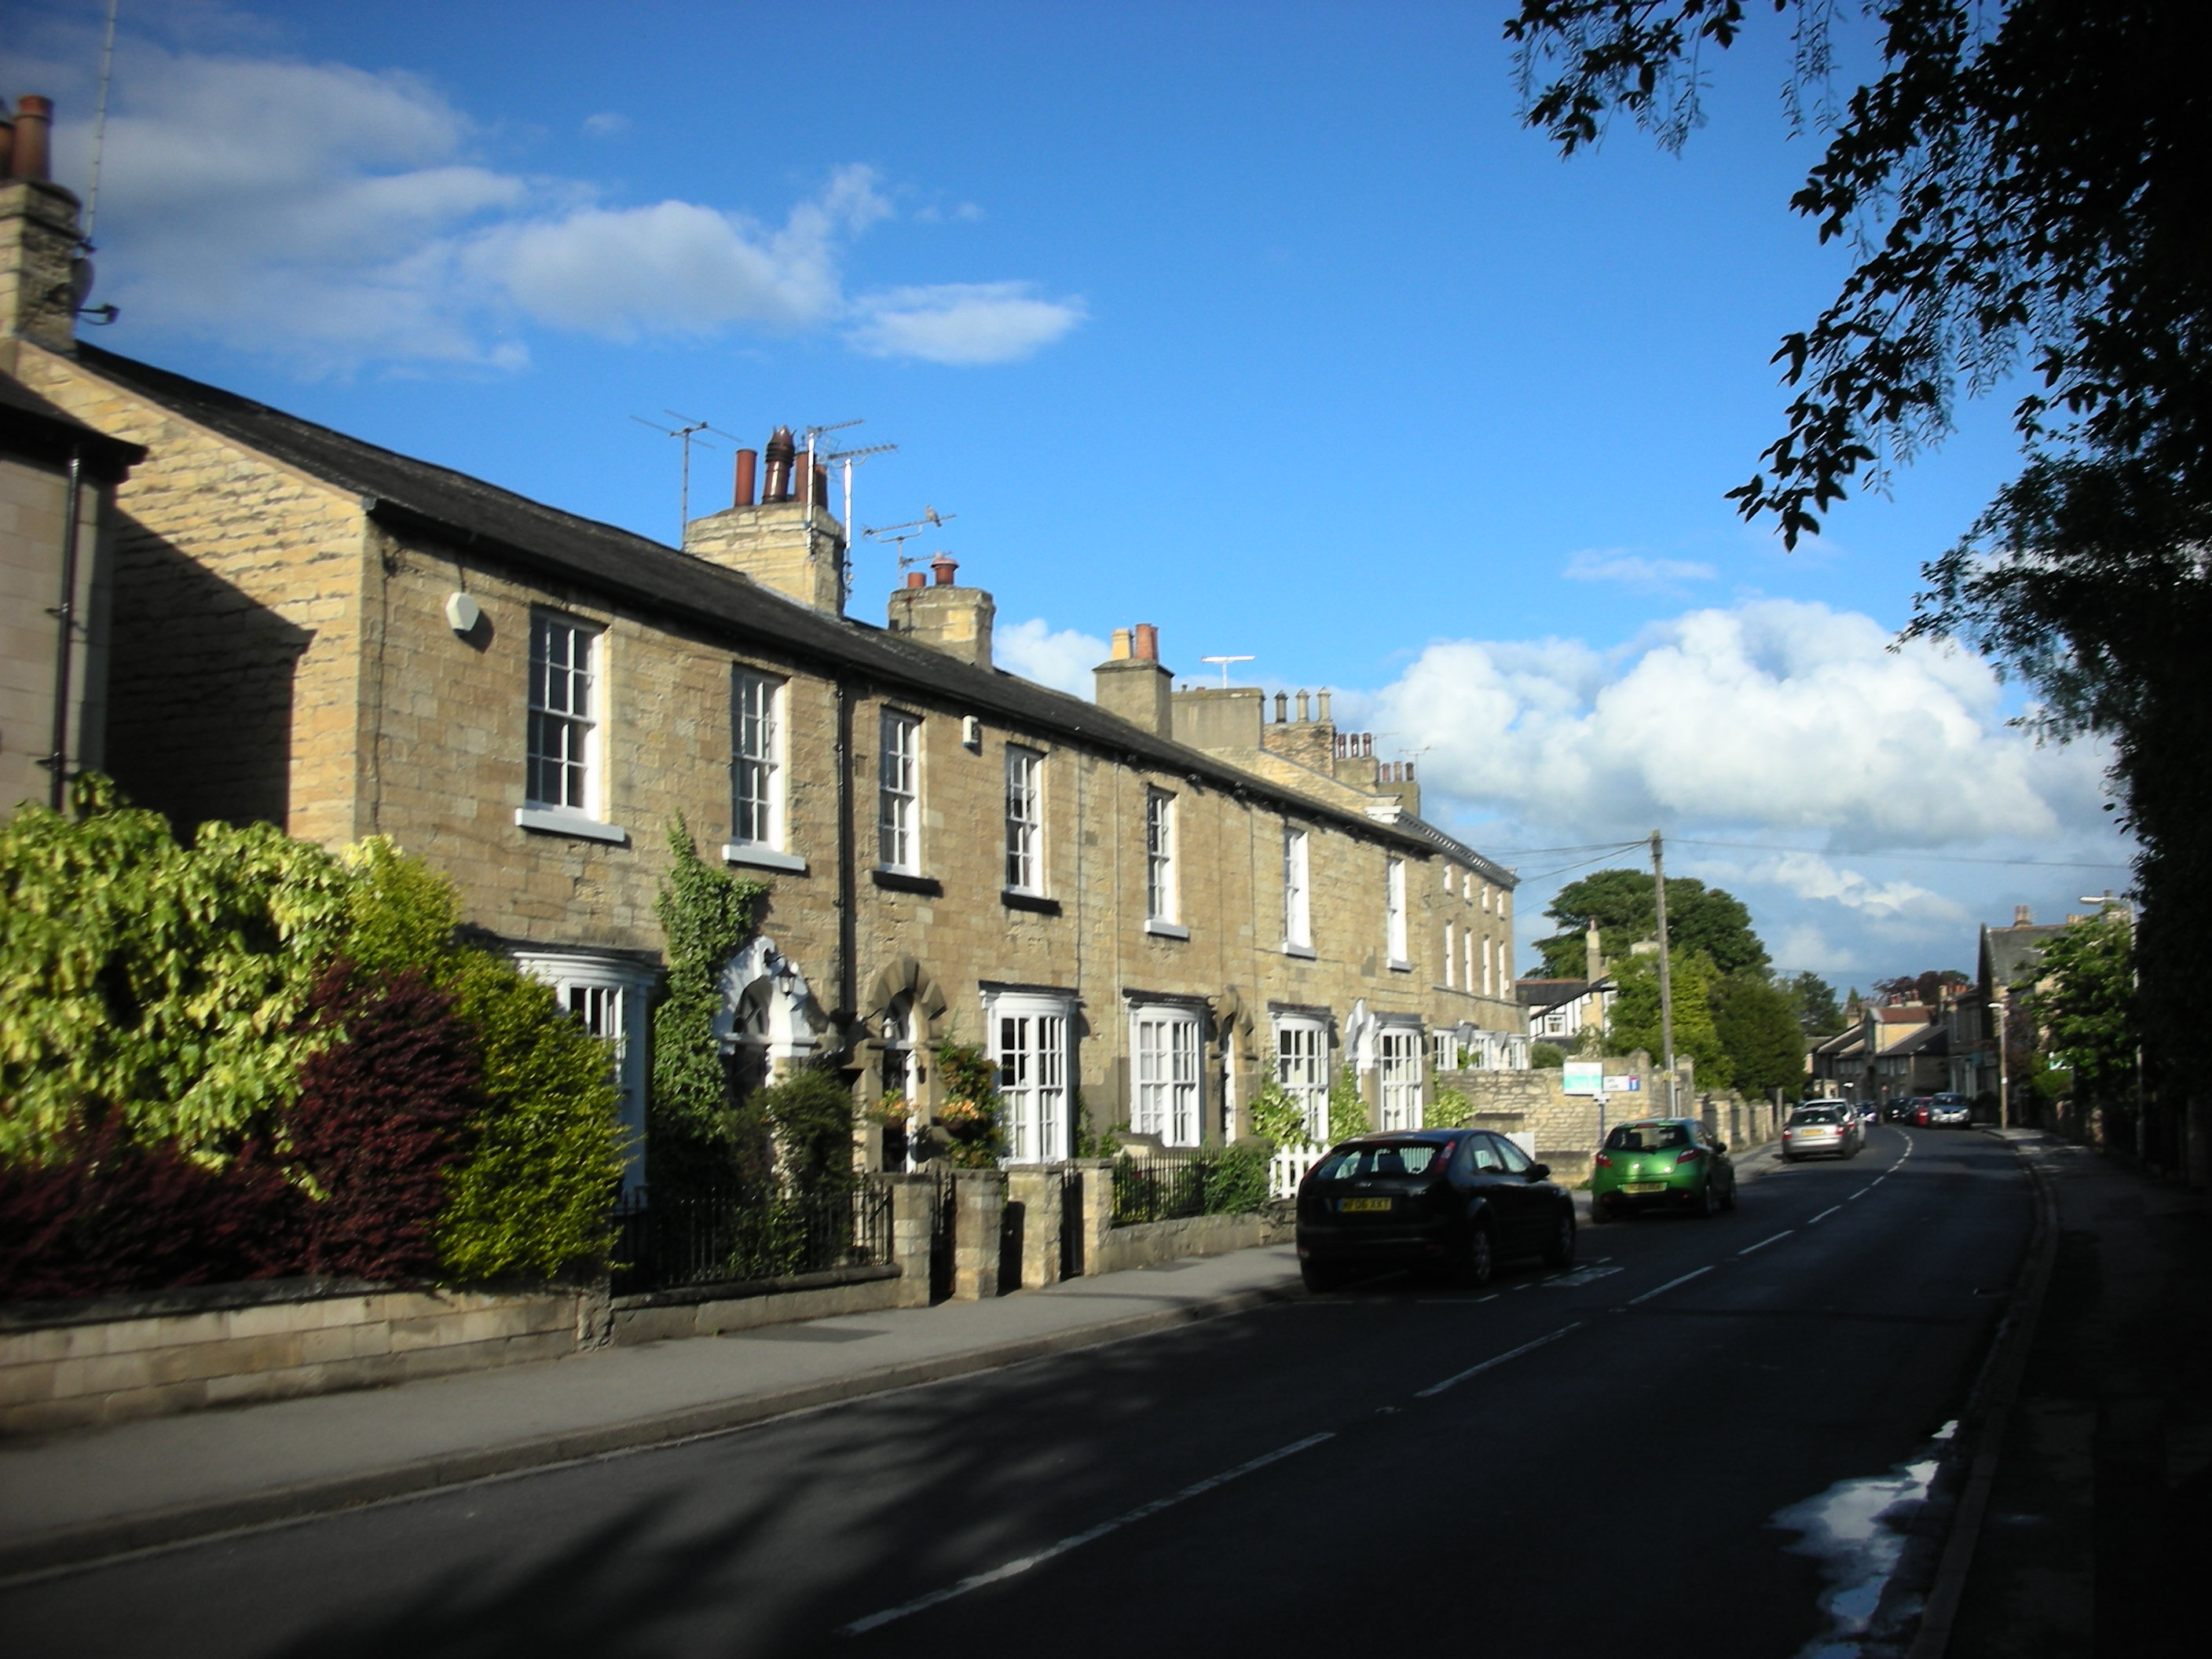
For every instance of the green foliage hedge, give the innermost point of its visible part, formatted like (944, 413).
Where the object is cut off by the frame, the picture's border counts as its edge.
(156, 999)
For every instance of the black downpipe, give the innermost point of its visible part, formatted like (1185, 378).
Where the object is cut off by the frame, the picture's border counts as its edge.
(65, 613)
(847, 972)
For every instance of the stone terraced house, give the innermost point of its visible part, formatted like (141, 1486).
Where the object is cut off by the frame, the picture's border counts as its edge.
(1144, 905)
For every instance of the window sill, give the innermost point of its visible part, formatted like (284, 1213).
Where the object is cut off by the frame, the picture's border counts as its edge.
(1015, 899)
(1302, 952)
(547, 821)
(905, 881)
(762, 858)
(1397, 967)
(1160, 929)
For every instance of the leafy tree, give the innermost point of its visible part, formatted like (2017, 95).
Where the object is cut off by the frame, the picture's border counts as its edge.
(1700, 919)
(2080, 997)
(1814, 1001)
(2023, 180)
(1756, 1019)
(1636, 1024)
(810, 1112)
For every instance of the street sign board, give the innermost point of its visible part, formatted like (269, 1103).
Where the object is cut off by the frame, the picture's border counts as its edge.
(1585, 1076)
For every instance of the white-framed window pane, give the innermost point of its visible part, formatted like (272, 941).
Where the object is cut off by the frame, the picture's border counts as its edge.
(1393, 901)
(757, 760)
(1298, 910)
(898, 791)
(1031, 1040)
(1024, 821)
(1467, 950)
(1167, 1092)
(1400, 1055)
(563, 714)
(1159, 855)
(1451, 955)
(1302, 1067)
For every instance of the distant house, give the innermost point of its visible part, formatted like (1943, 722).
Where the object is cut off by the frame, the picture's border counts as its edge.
(1996, 1044)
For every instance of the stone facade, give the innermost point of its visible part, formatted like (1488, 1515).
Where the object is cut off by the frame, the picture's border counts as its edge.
(340, 640)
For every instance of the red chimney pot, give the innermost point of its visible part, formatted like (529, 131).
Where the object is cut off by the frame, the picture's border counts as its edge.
(748, 460)
(943, 566)
(34, 120)
(915, 578)
(1148, 642)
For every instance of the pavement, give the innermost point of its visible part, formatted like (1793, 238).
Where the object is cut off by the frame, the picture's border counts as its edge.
(89, 1495)
(2098, 1507)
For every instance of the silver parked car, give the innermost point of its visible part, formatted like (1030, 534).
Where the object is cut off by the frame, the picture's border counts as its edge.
(1949, 1111)
(1822, 1128)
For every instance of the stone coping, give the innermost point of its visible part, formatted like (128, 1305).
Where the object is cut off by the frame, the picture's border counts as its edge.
(739, 1290)
(186, 1299)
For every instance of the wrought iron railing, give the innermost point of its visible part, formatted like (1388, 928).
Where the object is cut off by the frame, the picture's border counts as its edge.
(1169, 1186)
(669, 1241)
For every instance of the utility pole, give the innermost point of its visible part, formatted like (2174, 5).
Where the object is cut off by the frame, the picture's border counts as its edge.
(1666, 975)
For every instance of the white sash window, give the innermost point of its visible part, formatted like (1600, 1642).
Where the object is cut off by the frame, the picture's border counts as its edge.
(1399, 1050)
(1165, 1043)
(1302, 1067)
(1031, 1043)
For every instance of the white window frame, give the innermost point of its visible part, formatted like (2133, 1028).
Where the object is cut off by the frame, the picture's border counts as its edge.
(898, 793)
(610, 999)
(1451, 956)
(1398, 1072)
(1297, 889)
(1486, 979)
(1159, 855)
(1393, 912)
(1024, 820)
(1167, 1074)
(563, 747)
(1467, 954)
(1302, 1068)
(757, 760)
(1030, 1044)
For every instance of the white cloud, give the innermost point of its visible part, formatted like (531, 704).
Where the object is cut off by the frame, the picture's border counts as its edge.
(1780, 724)
(962, 323)
(607, 124)
(331, 216)
(1062, 660)
(1612, 564)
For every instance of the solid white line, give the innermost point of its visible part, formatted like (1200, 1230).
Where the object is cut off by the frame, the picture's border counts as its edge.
(1764, 1242)
(1669, 1285)
(1022, 1564)
(1824, 1214)
(1435, 1388)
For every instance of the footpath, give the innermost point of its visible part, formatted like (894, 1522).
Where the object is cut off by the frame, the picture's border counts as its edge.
(86, 1495)
(2099, 1515)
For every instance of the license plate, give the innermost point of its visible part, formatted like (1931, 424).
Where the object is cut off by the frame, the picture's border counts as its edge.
(1360, 1206)
(1644, 1187)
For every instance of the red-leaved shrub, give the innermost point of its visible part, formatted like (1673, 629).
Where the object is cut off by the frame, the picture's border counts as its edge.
(380, 1116)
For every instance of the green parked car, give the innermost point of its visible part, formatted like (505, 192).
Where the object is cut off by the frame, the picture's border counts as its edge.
(1662, 1164)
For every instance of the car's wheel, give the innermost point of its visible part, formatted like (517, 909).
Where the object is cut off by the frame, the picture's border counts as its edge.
(1708, 1203)
(1478, 1261)
(1727, 1197)
(1316, 1277)
(1599, 1214)
(1560, 1252)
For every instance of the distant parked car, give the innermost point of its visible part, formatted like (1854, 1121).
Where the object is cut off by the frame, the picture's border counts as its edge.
(1901, 1110)
(1456, 1200)
(1667, 1163)
(1949, 1111)
(1821, 1128)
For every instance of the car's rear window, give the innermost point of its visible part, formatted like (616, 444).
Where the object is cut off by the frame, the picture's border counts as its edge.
(1817, 1115)
(1647, 1137)
(1396, 1158)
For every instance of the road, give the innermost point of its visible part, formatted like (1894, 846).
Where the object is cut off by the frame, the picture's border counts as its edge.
(1564, 1464)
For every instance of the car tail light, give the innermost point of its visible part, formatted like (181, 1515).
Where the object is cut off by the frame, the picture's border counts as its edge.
(1603, 1162)
(1688, 1155)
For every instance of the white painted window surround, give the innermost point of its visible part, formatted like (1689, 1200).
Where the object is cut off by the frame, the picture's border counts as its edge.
(1394, 913)
(1029, 1041)
(564, 786)
(1398, 1059)
(609, 997)
(1302, 1067)
(1167, 1083)
(1024, 821)
(1297, 888)
(898, 818)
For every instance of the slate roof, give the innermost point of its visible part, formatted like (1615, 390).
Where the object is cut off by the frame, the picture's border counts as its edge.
(423, 499)
(2009, 952)
(29, 425)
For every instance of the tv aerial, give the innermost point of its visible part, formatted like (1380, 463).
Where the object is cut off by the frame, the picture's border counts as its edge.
(1224, 663)
(900, 534)
(687, 433)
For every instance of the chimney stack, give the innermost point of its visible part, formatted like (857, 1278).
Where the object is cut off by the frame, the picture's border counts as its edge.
(1133, 684)
(2022, 916)
(773, 540)
(42, 264)
(953, 619)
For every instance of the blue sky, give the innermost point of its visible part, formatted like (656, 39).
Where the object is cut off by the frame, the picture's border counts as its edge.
(1268, 323)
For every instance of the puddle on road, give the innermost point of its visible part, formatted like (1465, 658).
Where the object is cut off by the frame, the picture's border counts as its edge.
(1856, 1531)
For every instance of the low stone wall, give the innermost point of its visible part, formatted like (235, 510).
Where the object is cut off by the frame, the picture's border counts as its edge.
(1148, 1243)
(715, 1309)
(1567, 1128)
(70, 1365)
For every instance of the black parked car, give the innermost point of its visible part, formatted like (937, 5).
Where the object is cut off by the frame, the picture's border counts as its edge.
(1458, 1201)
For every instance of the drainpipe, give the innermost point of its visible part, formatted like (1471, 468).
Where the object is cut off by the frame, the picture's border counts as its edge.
(845, 972)
(65, 614)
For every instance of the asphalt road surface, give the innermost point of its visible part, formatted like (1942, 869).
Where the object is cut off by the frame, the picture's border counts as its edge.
(1564, 1464)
